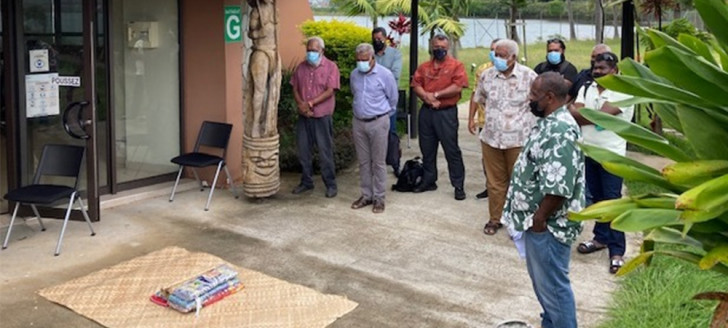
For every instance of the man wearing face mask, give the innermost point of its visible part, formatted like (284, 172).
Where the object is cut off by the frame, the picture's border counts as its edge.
(556, 61)
(438, 83)
(503, 90)
(601, 184)
(476, 108)
(547, 183)
(314, 82)
(390, 58)
(584, 77)
(375, 97)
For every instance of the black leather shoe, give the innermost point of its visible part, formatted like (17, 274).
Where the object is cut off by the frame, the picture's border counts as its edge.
(482, 195)
(331, 192)
(459, 194)
(301, 188)
(425, 187)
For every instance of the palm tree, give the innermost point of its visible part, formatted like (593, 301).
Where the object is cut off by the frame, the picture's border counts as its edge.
(359, 7)
(572, 29)
(434, 15)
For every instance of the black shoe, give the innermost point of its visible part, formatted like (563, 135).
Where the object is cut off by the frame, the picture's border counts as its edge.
(425, 187)
(331, 192)
(301, 188)
(482, 195)
(395, 168)
(459, 194)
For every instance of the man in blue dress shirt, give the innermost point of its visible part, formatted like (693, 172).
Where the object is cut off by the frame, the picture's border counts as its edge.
(375, 97)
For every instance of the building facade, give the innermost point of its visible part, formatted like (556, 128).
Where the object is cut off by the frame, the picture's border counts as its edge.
(133, 78)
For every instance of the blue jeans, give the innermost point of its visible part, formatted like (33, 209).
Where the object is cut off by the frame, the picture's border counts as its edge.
(603, 185)
(547, 261)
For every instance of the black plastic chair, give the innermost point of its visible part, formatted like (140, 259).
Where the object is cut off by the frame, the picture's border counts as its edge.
(55, 160)
(212, 135)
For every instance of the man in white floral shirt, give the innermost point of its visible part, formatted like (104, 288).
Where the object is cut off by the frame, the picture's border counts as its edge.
(503, 91)
(548, 182)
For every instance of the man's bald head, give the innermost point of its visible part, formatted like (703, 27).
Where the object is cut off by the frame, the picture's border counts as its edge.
(599, 49)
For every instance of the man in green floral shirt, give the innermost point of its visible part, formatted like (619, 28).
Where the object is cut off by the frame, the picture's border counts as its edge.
(547, 183)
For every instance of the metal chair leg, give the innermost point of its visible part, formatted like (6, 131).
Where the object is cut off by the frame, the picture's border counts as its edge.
(10, 227)
(174, 188)
(65, 222)
(197, 177)
(232, 183)
(212, 189)
(85, 215)
(37, 215)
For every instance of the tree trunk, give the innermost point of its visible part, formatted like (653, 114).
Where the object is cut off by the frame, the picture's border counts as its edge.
(375, 22)
(513, 28)
(676, 12)
(572, 28)
(598, 21)
(615, 22)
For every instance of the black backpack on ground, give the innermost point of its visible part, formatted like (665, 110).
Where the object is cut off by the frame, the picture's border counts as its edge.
(410, 176)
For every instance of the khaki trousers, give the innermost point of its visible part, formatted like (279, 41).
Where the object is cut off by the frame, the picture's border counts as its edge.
(498, 171)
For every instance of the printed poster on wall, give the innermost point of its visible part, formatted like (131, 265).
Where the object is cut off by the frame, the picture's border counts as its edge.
(41, 95)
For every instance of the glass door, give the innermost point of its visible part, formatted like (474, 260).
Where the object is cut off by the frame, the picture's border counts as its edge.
(63, 68)
(3, 122)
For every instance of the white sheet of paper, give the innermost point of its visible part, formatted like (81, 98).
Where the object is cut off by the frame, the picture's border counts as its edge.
(41, 95)
(38, 60)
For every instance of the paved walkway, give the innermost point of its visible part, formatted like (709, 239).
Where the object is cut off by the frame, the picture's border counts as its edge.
(423, 263)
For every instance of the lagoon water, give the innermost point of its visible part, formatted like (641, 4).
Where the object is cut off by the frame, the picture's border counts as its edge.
(480, 31)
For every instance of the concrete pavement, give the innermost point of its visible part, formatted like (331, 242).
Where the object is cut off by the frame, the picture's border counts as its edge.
(424, 262)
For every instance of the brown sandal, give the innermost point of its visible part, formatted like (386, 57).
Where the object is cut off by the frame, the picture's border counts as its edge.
(491, 228)
(590, 246)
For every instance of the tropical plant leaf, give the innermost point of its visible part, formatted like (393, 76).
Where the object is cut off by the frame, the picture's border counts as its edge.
(448, 26)
(668, 114)
(722, 55)
(631, 67)
(628, 168)
(662, 39)
(635, 134)
(650, 89)
(655, 202)
(646, 218)
(690, 72)
(634, 263)
(715, 15)
(672, 236)
(707, 136)
(694, 173)
(710, 196)
(715, 255)
(605, 210)
(697, 46)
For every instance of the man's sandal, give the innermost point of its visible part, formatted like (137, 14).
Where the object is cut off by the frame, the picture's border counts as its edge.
(615, 264)
(491, 228)
(589, 247)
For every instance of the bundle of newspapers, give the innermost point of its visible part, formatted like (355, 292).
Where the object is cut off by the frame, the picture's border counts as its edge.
(200, 291)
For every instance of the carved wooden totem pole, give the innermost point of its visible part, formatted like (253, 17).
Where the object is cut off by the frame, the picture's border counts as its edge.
(262, 82)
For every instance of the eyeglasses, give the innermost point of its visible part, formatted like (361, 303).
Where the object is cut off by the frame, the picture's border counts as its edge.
(554, 40)
(607, 57)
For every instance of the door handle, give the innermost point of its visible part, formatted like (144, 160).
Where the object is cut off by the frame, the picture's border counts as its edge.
(78, 120)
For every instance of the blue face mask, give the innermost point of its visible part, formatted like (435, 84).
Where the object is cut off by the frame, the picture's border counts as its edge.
(491, 55)
(363, 66)
(554, 57)
(500, 64)
(313, 57)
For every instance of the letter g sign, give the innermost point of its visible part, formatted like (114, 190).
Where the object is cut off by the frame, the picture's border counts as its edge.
(233, 28)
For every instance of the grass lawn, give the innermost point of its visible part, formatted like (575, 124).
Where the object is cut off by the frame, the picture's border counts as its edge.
(661, 296)
(577, 52)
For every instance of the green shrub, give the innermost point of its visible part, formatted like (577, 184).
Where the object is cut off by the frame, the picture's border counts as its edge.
(340, 39)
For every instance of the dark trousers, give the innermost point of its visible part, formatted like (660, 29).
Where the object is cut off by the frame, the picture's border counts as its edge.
(318, 132)
(603, 185)
(440, 126)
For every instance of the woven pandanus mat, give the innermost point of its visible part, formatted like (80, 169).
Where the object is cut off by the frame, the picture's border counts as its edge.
(119, 296)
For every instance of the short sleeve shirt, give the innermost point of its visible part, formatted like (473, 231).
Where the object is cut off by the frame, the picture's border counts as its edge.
(595, 135)
(432, 78)
(311, 81)
(509, 119)
(550, 163)
(481, 109)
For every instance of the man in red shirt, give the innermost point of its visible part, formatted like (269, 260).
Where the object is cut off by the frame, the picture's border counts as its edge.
(315, 81)
(438, 84)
